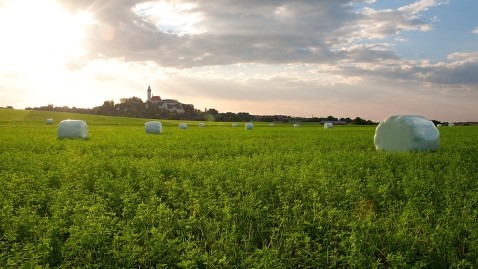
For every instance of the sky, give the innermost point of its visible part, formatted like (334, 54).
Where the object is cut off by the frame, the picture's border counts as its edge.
(345, 58)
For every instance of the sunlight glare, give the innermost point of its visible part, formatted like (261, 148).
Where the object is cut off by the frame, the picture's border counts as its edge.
(39, 34)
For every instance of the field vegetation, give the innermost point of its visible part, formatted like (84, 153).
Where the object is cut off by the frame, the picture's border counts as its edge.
(223, 197)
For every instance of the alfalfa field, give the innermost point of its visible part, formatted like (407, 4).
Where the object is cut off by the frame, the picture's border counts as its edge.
(224, 197)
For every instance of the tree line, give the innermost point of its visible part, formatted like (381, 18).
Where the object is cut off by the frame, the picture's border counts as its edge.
(136, 107)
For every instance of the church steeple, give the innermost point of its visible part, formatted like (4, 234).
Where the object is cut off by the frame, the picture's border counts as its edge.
(149, 93)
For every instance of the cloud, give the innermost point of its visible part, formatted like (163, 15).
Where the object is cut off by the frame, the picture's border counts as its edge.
(475, 31)
(320, 55)
(229, 32)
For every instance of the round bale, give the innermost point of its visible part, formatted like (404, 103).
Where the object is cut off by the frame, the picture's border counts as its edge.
(328, 125)
(202, 124)
(438, 125)
(406, 133)
(49, 121)
(72, 129)
(271, 124)
(153, 127)
(234, 125)
(248, 126)
(451, 124)
(183, 126)
(296, 125)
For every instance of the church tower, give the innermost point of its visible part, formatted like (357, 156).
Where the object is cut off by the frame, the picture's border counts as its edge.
(149, 93)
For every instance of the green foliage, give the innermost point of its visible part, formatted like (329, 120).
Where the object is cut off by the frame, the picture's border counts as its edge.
(222, 197)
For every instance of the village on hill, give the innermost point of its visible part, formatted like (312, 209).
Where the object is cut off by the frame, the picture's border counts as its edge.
(156, 107)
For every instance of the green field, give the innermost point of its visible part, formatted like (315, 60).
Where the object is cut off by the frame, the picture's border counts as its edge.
(223, 197)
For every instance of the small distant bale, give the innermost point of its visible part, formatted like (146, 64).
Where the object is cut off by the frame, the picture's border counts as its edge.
(202, 124)
(439, 125)
(271, 124)
(406, 133)
(153, 127)
(451, 124)
(328, 125)
(72, 129)
(183, 126)
(296, 125)
(249, 126)
(234, 125)
(49, 121)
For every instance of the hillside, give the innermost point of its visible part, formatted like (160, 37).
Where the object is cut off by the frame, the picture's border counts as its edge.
(35, 116)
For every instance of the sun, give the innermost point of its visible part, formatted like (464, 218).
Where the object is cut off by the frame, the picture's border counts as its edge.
(39, 34)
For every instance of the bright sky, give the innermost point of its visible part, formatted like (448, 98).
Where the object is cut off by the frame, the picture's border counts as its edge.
(344, 58)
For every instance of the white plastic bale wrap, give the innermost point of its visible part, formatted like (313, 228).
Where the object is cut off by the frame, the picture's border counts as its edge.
(234, 125)
(328, 125)
(153, 127)
(451, 124)
(439, 125)
(49, 121)
(271, 124)
(72, 129)
(202, 124)
(183, 126)
(248, 126)
(296, 125)
(407, 133)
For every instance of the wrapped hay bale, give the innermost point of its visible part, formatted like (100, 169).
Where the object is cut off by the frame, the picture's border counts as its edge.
(438, 125)
(153, 127)
(406, 133)
(296, 125)
(72, 129)
(202, 124)
(451, 124)
(271, 124)
(234, 125)
(248, 126)
(49, 121)
(183, 126)
(328, 125)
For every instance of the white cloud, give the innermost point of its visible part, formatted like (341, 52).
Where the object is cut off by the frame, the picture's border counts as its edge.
(186, 34)
(475, 31)
(420, 6)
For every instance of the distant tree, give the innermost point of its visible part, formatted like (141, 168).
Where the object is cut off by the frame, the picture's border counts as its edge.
(108, 108)
(359, 121)
(244, 116)
(331, 118)
(212, 111)
(189, 109)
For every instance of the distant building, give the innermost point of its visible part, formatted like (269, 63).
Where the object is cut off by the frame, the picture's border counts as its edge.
(167, 104)
(334, 122)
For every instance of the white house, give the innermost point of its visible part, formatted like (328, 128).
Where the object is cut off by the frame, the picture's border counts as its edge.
(167, 104)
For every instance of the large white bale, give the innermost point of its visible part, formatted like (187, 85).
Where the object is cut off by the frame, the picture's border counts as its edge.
(234, 125)
(183, 125)
(296, 125)
(451, 124)
(202, 124)
(72, 129)
(49, 121)
(248, 126)
(328, 125)
(153, 127)
(407, 133)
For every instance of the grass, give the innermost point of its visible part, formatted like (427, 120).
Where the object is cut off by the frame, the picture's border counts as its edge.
(223, 197)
